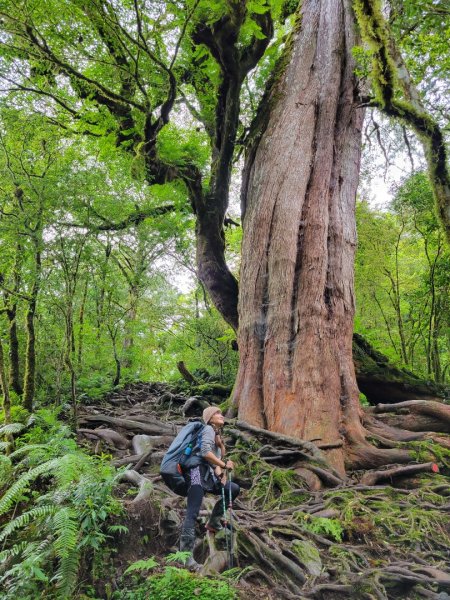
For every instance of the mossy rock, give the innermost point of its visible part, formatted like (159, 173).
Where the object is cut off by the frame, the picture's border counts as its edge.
(309, 555)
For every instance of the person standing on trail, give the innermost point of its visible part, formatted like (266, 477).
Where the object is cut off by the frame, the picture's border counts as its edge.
(209, 476)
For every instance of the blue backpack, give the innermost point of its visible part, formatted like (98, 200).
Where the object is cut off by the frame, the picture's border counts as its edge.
(182, 454)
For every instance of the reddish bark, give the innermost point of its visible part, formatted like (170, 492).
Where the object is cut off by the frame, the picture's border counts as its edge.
(296, 306)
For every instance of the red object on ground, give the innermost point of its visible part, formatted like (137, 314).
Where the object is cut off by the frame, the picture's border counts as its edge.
(435, 468)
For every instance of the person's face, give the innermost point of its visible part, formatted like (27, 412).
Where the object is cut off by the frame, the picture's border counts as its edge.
(217, 419)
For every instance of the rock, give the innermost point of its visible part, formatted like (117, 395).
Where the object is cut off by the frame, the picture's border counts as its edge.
(193, 407)
(308, 555)
(142, 443)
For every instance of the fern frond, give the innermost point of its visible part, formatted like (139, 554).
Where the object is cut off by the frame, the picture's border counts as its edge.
(21, 484)
(66, 531)
(22, 520)
(70, 467)
(28, 448)
(4, 446)
(37, 548)
(13, 551)
(11, 428)
(67, 574)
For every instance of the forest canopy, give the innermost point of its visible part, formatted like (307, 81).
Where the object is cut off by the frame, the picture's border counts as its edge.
(112, 113)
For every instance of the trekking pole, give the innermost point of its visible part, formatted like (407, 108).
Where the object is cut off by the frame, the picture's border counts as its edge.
(230, 506)
(225, 517)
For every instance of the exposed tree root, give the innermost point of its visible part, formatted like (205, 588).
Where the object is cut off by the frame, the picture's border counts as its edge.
(302, 530)
(374, 477)
(437, 414)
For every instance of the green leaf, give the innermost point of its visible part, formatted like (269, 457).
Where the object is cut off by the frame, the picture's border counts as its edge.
(142, 565)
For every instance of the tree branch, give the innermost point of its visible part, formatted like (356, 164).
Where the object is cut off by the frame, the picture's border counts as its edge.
(385, 78)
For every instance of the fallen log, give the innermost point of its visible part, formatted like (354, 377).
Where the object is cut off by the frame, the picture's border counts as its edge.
(152, 427)
(109, 435)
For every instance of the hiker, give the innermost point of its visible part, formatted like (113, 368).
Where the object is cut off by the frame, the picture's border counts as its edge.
(209, 476)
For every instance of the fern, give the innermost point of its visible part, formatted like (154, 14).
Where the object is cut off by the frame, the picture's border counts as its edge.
(37, 548)
(178, 557)
(70, 467)
(142, 565)
(13, 551)
(21, 484)
(22, 520)
(66, 531)
(28, 448)
(11, 428)
(118, 529)
(67, 573)
(4, 446)
(63, 521)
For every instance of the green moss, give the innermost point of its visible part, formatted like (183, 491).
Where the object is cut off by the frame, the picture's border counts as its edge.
(427, 450)
(332, 528)
(375, 34)
(212, 389)
(309, 555)
(391, 516)
(271, 487)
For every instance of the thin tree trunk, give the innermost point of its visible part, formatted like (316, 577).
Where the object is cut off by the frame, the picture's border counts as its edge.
(69, 358)
(4, 387)
(435, 354)
(118, 373)
(14, 356)
(296, 305)
(397, 304)
(81, 326)
(30, 358)
(128, 341)
(30, 352)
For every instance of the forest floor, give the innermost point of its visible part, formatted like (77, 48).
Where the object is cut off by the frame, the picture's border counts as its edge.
(299, 533)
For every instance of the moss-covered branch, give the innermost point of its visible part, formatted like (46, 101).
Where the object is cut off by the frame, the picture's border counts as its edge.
(376, 34)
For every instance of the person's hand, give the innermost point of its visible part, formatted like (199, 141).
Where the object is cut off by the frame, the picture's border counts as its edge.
(229, 465)
(221, 475)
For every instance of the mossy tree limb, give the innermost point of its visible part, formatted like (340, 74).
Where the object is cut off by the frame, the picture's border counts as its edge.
(375, 32)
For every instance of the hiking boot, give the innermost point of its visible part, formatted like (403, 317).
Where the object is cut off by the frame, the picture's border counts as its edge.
(215, 522)
(187, 543)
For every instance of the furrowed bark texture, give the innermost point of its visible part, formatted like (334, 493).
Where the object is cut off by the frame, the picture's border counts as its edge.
(296, 305)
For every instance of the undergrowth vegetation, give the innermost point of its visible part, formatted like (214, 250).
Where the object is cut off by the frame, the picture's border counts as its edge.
(56, 510)
(171, 583)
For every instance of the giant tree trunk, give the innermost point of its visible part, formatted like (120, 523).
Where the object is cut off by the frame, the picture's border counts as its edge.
(296, 304)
